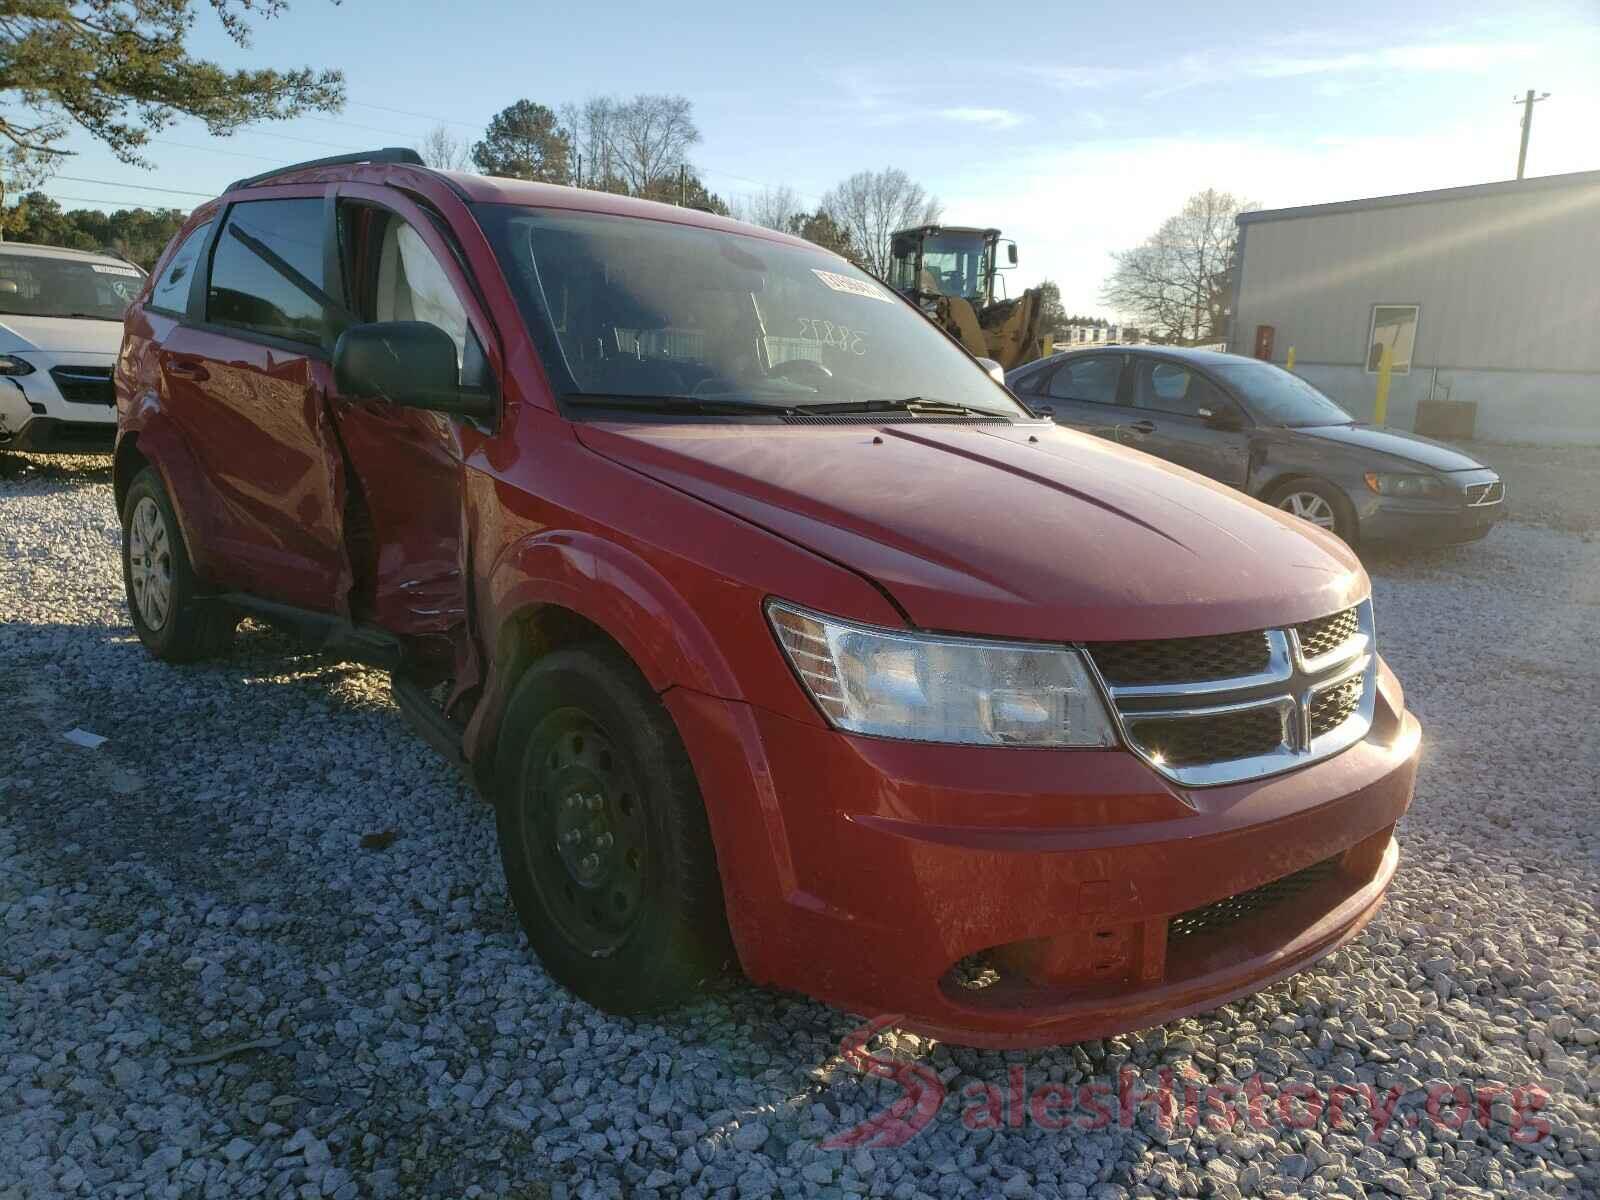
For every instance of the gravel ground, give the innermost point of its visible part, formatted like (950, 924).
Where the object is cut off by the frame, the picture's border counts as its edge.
(1557, 486)
(200, 882)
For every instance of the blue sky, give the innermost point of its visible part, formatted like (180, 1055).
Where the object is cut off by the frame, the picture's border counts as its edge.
(1075, 128)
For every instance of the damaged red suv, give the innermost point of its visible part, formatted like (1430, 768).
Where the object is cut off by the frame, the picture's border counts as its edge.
(777, 631)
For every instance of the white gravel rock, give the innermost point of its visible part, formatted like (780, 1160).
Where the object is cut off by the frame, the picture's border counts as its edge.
(197, 883)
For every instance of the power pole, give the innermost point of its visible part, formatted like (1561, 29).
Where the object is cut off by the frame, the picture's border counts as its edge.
(1527, 103)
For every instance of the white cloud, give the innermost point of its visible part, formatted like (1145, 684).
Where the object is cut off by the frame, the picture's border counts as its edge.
(1069, 208)
(994, 118)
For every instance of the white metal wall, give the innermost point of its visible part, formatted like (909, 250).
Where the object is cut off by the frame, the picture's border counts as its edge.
(1509, 281)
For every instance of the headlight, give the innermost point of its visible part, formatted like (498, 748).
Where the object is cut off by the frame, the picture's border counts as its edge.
(1411, 487)
(942, 689)
(10, 364)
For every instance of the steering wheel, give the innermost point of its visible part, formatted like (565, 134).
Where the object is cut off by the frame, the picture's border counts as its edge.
(791, 368)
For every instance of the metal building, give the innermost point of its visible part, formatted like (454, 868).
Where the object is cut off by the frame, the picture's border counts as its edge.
(1488, 296)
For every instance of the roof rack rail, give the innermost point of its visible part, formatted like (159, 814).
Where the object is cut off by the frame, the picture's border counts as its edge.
(388, 154)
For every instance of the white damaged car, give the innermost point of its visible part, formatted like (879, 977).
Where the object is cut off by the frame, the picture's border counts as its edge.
(60, 330)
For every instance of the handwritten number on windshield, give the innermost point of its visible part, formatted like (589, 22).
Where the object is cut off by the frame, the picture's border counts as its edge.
(837, 337)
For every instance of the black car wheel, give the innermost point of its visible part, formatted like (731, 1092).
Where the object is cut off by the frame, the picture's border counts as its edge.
(604, 838)
(1324, 505)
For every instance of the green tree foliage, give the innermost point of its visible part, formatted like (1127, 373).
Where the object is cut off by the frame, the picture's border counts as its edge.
(821, 228)
(1052, 313)
(118, 70)
(693, 193)
(139, 234)
(523, 141)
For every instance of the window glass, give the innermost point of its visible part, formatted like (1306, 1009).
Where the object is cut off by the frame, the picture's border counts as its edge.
(1170, 387)
(43, 285)
(412, 286)
(630, 307)
(247, 291)
(172, 289)
(1093, 379)
(1275, 397)
(1394, 326)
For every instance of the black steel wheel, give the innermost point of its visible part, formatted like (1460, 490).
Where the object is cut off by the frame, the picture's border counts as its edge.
(584, 822)
(604, 838)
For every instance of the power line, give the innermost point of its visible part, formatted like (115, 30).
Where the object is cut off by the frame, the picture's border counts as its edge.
(126, 200)
(138, 187)
(400, 112)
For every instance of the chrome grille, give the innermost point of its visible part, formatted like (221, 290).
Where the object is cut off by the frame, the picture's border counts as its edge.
(1480, 494)
(1193, 741)
(1182, 660)
(85, 385)
(1326, 634)
(1331, 707)
(1207, 711)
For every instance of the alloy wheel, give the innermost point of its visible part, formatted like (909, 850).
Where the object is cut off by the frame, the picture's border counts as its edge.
(585, 836)
(150, 563)
(1309, 506)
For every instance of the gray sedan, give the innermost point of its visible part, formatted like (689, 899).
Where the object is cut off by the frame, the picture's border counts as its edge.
(1267, 432)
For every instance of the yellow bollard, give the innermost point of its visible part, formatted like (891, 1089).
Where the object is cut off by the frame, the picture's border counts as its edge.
(1288, 364)
(1380, 407)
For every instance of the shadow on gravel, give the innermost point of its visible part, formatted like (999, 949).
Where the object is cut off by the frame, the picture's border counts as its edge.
(54, 472)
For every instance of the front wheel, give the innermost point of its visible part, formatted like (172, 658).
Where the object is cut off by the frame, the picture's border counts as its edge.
(604, 838)
(1324, 505)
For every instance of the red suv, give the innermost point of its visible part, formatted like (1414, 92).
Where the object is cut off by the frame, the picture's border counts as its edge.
(776, 630)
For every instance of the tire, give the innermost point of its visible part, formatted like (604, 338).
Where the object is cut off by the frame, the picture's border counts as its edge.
(604, 838)
(1320, 503)
(163, 594)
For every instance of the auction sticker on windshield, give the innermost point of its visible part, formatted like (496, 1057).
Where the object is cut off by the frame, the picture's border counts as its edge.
(850, 287)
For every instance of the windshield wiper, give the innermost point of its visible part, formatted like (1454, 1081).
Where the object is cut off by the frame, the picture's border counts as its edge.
(919, 405)
(697, 405)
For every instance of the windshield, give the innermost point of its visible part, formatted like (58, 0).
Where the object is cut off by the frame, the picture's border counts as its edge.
(1275, 397)
(38, 285)
(627, 307)
(953, 264)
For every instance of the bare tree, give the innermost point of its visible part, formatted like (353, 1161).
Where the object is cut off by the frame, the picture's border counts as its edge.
(775, 208)
(444, 150)
(649, 138)
(1177, 282)
(590, 127)
(871, 205)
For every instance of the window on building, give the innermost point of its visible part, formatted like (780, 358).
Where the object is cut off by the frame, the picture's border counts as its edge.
(1394, 326)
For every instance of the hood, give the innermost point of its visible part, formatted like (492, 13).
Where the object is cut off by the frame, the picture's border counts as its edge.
(1025, 531)
(1412, 447)
(58, 335)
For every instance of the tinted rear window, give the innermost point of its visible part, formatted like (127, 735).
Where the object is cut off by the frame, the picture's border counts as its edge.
(246, 292)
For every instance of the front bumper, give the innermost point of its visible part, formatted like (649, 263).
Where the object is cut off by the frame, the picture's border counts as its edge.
(1439, 527)
(36, 416)
(51, 435)
(1011, 897)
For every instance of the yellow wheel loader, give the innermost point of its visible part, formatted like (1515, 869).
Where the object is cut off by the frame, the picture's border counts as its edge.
(949, 271)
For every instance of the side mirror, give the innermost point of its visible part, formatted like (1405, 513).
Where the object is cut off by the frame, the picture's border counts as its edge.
(408, 363)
